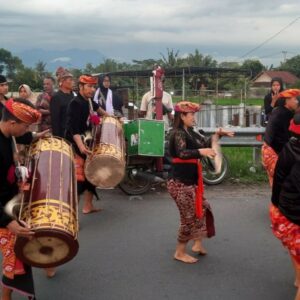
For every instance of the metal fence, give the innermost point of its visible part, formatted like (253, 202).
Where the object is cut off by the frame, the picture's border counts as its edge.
(237, 115)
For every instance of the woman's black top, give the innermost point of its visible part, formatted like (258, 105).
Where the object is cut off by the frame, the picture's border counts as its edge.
(277, 130)
(184, 145)
(286, 184)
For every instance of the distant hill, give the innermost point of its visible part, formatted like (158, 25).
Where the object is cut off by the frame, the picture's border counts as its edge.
(71, 58)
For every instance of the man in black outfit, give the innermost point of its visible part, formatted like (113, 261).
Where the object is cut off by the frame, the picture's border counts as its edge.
(60, 101)
(17, 116)
(78, 122)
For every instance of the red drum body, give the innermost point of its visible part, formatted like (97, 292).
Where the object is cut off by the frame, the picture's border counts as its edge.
(50, 207)
(105, 168)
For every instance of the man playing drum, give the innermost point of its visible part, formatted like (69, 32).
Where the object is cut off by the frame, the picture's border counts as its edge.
(17, 116)
(79, 120)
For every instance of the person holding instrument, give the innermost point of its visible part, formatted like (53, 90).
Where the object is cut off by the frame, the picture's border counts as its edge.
(80, 115)
(17, 116)
(185, 184)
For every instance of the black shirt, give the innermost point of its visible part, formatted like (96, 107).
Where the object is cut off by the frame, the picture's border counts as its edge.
(58, 110)
(277, 131)
(1, 107)
(185, 144)
(78, 118)
(286, 184)
(8, 189)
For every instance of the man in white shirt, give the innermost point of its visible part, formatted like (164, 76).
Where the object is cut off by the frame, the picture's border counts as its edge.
(147, 109)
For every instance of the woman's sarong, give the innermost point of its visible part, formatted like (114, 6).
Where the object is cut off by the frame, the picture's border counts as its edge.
(269, 160)
(191, 226)
(286, 231)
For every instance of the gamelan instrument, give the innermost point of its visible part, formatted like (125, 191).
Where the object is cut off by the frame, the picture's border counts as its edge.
(50, 206)
(105, 167)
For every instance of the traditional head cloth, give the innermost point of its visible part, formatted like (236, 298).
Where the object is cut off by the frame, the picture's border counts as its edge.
(87, 79)
(62, 73)
(289, 93)
(27, 89)
(295, 124)
(3, 79)
(186, 107)
(23, 112)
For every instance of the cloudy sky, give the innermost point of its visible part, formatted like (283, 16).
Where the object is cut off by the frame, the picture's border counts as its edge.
(128, 29)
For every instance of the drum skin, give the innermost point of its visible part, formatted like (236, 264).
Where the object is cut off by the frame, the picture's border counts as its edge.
(50, 207)
(105, 167)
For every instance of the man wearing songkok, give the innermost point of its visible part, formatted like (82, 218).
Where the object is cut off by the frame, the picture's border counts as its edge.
(80, 117)
(285, 207)
(3, 92)
(60, 102)
(17, 116)
(43, 103)
(277, 131)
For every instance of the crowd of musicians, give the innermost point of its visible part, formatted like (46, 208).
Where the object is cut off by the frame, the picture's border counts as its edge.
(71, 110)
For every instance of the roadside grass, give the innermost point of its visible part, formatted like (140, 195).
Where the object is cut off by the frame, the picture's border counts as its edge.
(242, 168)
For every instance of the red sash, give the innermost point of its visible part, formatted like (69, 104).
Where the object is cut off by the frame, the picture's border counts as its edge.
(200, 188)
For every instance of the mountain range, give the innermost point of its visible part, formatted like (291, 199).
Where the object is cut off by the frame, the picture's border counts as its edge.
(70, 58)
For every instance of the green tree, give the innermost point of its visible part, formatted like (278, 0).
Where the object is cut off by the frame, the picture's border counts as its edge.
(292, 65)
(9, 64)
(254, 65)
(171, 60)
(40, 73)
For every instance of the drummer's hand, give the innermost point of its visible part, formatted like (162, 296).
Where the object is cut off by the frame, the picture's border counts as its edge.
(42, 134)
(222, 132)
(84, 150)
(19, 230)
(209, 152)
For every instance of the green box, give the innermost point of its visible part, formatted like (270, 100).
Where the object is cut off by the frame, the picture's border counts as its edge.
(145, 137)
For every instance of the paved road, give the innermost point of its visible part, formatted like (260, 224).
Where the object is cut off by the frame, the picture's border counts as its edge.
(126, 252)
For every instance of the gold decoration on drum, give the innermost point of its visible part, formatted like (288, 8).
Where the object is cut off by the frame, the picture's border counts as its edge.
(107, 149)
(113, 120)
(51, 144)
(51, 214)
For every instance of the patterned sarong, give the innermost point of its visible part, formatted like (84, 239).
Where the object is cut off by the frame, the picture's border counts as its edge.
(287, 232)
(16, 276)
(191, 226)
(269, 160)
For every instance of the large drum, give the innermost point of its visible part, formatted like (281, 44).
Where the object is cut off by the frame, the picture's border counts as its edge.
(49, 207)
(105, 167)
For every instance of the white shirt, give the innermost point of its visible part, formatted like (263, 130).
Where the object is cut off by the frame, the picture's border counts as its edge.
(148, 105)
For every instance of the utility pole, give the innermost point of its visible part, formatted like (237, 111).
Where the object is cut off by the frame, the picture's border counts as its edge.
(284, 55)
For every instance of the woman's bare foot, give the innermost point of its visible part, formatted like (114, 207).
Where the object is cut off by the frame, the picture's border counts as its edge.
(185, 258)
(297, 283)
(198, 248)
(50, 272)
(90, 210)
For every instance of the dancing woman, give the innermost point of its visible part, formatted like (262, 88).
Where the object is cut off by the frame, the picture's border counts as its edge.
(186, 185)
(285, 207)
(277, 131)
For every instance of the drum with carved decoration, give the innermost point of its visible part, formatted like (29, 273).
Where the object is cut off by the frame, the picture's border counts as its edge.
(105, 167)
(50, 206)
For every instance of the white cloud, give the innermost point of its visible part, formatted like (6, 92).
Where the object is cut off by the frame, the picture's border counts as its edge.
(112, 26)
(61, 59)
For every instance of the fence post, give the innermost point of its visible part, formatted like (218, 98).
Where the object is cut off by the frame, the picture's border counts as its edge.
(257, 156)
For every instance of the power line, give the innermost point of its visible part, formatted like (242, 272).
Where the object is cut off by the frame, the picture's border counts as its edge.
(270, 38)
